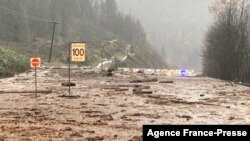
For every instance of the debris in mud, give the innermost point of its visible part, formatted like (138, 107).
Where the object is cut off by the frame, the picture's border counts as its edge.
(202, 95)
(110, 93)
(107, 117)
(90, 111)
(108, 73)
(109, 87)
(166, 81)
(76, 134)
(83, 103)
(122, 89)
(153, 116)
(66, 129)
(115, 136)
(70, 96)
(144, 80)
(140, 91)
(114, 87)
(137, 138)
(142, 86)
(22, 79)
(185, 116)
(89, 131)
(173, 100)
(154, 96)
(100, 123)
(20, 92)
(67, 84)
(23, 139)
(102, 104)
(222, 93)
(96, 138)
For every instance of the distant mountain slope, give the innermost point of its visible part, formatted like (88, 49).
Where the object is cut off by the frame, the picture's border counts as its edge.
(26, 27)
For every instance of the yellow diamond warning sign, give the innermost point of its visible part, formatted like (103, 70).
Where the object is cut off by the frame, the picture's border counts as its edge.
(78, 52)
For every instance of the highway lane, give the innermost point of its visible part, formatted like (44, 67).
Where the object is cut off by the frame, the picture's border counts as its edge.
(107, 108)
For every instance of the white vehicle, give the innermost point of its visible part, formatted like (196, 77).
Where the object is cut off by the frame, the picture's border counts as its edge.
(149, 71)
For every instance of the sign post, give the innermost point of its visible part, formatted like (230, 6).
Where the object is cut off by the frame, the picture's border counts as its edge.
(77, 53)
(36, 81)
(35, 63)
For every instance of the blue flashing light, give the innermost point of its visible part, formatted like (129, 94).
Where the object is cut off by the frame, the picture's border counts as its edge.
(183, 72)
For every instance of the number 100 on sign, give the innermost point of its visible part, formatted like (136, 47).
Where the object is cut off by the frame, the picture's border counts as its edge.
(78, 52)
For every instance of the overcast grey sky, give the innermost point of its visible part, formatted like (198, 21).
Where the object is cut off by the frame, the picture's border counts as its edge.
(177, 25)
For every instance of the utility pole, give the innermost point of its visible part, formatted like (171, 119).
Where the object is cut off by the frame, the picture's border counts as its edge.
(52, 40)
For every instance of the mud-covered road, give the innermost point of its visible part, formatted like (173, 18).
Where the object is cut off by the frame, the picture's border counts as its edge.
(107, 107)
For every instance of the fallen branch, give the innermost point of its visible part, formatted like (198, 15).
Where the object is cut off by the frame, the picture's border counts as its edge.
(142, 87)
(191, 103)
(140, 91)
(122, 89)
(67, 84)
(166, 81)
(144, 80)
(22, 92)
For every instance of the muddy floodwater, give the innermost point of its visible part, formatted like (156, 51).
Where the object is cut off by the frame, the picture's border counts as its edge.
(111, 108)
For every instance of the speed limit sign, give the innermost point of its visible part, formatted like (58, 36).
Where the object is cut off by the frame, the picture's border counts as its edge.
(78, 52)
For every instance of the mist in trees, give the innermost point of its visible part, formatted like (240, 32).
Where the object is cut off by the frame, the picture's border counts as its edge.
(227, 46)
(29, 22)
(25, 19)
(177, 26)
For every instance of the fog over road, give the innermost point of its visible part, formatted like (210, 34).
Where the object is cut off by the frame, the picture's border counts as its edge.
(109, 109)
(173, 27)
